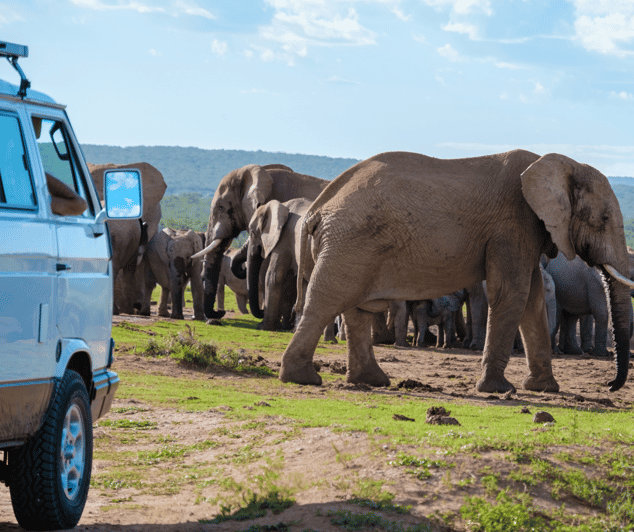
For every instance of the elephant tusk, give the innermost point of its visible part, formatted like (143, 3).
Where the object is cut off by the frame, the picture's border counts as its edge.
(208, 249)
(612, 271)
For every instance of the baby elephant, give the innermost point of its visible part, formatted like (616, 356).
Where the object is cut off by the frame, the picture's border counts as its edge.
(440, 312)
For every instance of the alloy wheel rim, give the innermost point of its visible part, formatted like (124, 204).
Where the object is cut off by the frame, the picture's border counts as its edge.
(73, 451)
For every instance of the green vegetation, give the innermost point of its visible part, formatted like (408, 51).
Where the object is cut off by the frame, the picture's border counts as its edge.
(188, 170)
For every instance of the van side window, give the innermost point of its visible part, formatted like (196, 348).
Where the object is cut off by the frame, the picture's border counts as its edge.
(58, 157)
(16, 185)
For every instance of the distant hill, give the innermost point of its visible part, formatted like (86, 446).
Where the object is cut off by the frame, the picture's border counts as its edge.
(195, 170)
(193, 174)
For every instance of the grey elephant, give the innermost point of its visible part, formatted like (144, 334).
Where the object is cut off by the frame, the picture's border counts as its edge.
(237, 197)
(169, 263)
(272, 237)
(381, 231)
(440, 311)
(579, 290)
(128, 237)
(581, 295)
(237, 285)
(478, 308)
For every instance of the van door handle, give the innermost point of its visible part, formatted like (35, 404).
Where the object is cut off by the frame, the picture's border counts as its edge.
(62, 267)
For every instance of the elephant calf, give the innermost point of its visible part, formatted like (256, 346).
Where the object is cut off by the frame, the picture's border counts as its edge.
(441, 312)
(169, 263)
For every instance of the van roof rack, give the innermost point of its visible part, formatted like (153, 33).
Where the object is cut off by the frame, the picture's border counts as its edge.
(13, 52)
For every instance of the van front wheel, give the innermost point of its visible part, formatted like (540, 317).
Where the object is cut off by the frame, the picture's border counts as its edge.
(50, 474)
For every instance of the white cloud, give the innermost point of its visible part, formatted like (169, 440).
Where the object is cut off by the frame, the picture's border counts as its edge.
(218, 47)
(194, 10)
(463, 7)
(340, 81)
(97, 5)
(154, 52)
(399, 14)
(448, 52)
(467, 29)
(626, 96)
(298, 25)
(606, 27)
(502, 64)
(419, 38)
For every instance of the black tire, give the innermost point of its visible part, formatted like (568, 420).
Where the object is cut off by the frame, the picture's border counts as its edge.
(50, 475)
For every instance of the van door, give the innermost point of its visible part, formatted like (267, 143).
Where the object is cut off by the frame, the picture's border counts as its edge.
(84, 302)
(28, 287)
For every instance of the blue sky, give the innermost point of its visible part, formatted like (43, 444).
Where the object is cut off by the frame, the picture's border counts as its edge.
(342, 78)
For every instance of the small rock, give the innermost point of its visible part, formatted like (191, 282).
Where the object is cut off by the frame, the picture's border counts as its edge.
(579, 398)
(525, 410)
(262, 403)
(508, 396)
(543, 417)
(213, 321)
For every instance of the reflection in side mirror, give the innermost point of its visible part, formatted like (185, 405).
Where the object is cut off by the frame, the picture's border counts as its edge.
(122, 192)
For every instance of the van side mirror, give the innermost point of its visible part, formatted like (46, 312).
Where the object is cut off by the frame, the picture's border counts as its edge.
(122, 192)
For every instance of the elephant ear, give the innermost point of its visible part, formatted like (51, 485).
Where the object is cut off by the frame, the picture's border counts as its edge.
(546, 188)
(273, 220)
(256, 185)
(197, 241)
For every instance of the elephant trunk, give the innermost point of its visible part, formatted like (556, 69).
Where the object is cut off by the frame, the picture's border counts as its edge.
(254, 265)
(620, 307)
(211, 275)
(238, 261)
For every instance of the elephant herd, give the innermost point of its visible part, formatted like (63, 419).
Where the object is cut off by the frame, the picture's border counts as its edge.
(417, 236)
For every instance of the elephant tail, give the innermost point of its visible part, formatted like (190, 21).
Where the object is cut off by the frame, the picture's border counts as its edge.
(309, 223)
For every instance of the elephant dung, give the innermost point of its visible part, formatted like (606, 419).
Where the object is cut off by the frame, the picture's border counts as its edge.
(437, 415)
(543, 417)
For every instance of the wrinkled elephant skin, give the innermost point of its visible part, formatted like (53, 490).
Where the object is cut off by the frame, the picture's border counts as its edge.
(382, 231)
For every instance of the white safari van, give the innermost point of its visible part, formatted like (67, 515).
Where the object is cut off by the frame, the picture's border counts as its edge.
(56, 286)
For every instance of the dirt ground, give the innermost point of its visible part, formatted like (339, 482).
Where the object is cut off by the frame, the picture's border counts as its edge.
(313, 460)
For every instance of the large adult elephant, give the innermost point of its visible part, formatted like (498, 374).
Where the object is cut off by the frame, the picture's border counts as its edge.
(238, 195)
(383, 230)
(168, 262)
(128, 237)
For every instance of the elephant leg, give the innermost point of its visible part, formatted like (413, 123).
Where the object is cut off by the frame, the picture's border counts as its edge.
(198, 293)
(450, 331)
(479, 315)
(127, 290)
(600, 333)
(149, 285)
(508, 287)
(380, 332)
(362, 366)
(568, 342)
(440, 339)
(241, 300)
(165, 297)
(399, 309)
(536, 339)
(329, 333)
(586, 329)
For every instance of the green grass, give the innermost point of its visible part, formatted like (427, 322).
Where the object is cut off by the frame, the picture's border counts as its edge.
(595, 468)
(236, 333)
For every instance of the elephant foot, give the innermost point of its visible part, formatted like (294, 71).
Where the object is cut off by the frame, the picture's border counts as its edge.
(573, 350)
(175, 316)
(497, 384)
(164, 314)
(215, 314)
(371, 376)
(299, 373)
(541, 384)
(200, 318)
(598, 352)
